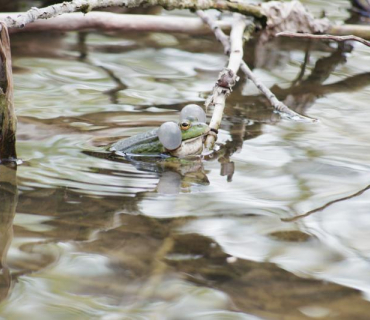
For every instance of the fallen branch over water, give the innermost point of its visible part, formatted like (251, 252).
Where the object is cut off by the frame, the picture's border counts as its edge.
(227, 78)
(22, 19)
(278, 105)
(323, 37)
(107, 21)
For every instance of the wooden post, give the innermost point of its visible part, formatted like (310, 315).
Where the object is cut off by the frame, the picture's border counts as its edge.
(8, 120)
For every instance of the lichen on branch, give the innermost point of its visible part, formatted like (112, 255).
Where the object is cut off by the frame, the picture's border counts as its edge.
(85, 6)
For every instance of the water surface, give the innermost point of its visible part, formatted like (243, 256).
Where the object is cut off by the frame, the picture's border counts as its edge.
(274, 226)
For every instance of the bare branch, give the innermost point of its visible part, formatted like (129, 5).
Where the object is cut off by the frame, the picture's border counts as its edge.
(358, 193)
(107, 21)
(323, 37)
(21, 20)
(227, 77)
(278, 105)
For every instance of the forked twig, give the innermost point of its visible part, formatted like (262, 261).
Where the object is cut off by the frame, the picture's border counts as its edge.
(276, 104)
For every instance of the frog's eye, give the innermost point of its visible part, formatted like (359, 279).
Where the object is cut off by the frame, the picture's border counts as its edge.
(193, 111)
(185, 125)
(169, 135)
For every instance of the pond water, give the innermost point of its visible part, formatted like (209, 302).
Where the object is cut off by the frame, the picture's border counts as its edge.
(274, 226)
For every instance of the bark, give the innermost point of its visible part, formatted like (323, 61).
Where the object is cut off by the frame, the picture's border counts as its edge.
(8, 121)
(21, 20)
(107, 21)
(227, 77)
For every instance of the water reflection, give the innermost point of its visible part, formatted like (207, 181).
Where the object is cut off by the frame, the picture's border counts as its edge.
(117, 262)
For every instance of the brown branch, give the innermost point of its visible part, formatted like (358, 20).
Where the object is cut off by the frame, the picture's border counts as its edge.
(323, 37)
(22, 19)
(107, 21)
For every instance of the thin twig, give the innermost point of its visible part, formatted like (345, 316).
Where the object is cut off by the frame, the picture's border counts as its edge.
(213, 24)
(228, 76)
(358, 193)
(323, 37)
(279, 106)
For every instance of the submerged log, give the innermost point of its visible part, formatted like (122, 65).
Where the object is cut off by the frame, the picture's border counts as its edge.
(8, 121)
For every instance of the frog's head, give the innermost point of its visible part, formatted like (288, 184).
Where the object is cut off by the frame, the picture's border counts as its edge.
(193, 134)
(187, 137)
(190, 128)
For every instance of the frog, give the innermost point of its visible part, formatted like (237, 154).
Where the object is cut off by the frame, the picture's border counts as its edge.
(171, 139)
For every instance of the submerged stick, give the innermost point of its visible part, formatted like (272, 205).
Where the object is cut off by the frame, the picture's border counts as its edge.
(227, 78)
(323, 37)
(8, 120)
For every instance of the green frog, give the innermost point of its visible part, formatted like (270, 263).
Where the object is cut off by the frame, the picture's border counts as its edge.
(171, 139)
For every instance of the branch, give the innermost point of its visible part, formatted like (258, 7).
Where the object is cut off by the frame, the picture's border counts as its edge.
(228, 76)
(8, 120)
(107, 21)
(323, 37)
(21, 20)
(358, 193)
(278, 105)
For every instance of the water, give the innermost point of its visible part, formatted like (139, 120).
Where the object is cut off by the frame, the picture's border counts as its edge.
(274, 226)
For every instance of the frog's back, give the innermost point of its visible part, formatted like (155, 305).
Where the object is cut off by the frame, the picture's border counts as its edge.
(125, 145)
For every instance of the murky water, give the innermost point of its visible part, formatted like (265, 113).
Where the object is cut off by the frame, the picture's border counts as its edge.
(274, 226)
